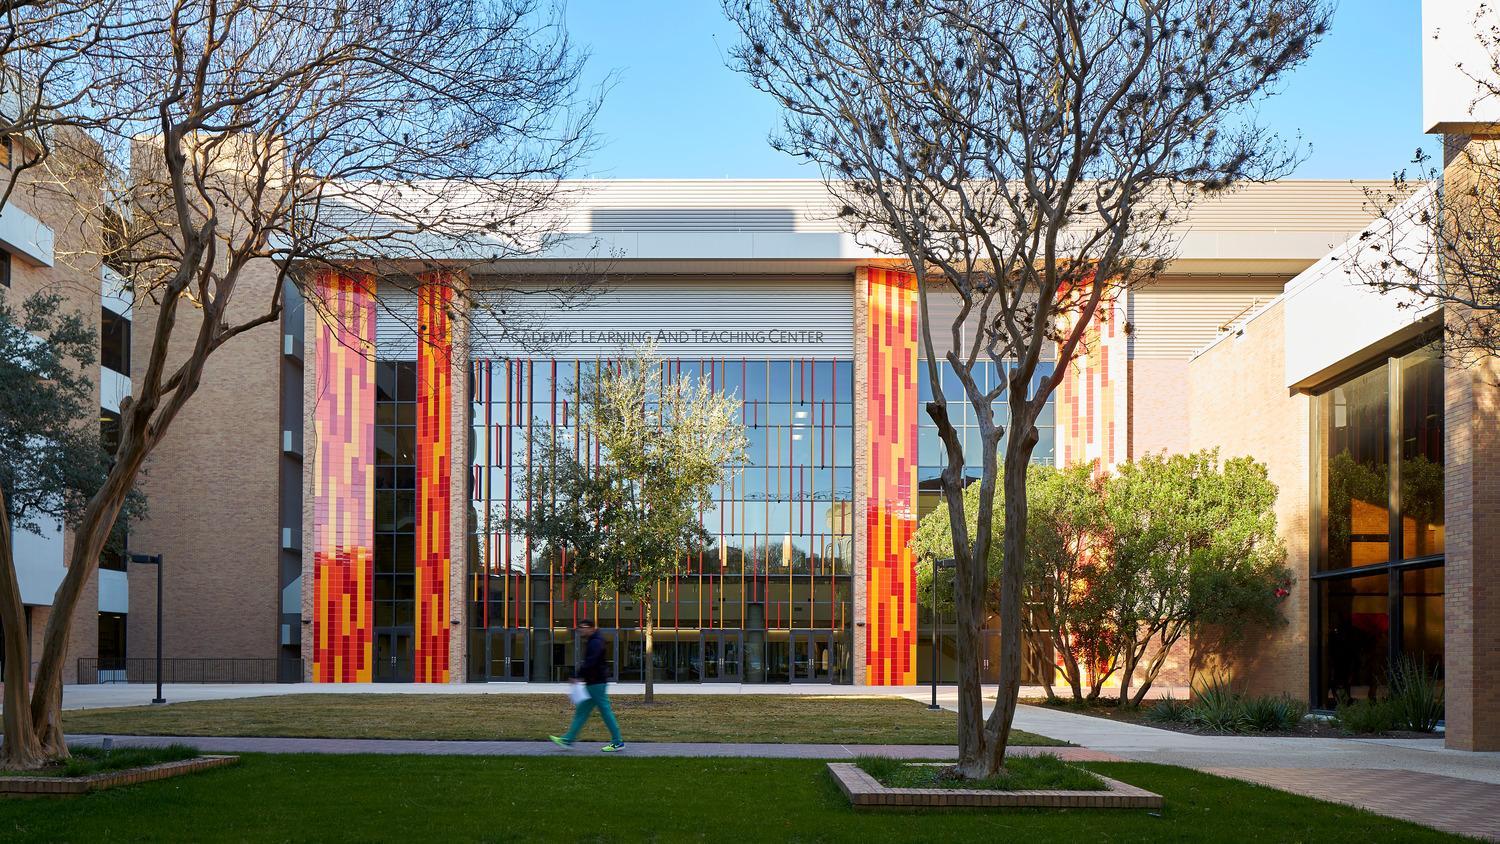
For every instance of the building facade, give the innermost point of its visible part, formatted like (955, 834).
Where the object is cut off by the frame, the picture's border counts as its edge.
(412, 423)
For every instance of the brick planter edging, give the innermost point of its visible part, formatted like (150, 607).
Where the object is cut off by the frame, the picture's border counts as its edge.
(66, 786)
(864, 792)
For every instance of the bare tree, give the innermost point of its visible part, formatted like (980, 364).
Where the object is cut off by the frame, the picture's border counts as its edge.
(43, 78)
(1028, 158)
(225, 136)
(1435, 240)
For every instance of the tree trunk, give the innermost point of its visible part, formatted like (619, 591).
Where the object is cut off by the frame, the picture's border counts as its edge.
(20, 749)
(93, 531)
(649, 669)
(997, 727)
(1153, 668)
(969, 590)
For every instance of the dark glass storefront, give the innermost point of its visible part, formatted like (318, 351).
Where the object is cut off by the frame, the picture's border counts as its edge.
(1378, 510)
(931, 457)
(769, 602)
(394, 640)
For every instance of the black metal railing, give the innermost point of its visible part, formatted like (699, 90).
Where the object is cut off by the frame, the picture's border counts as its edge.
(190, 670)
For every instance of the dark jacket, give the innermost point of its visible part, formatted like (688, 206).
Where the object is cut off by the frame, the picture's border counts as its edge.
(593, 669)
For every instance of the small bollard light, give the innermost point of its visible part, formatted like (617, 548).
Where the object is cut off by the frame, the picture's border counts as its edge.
(109, 745)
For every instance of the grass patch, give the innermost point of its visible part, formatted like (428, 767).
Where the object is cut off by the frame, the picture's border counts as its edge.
(598, 798)
(89, 759)
(1021, 773)
(816, 719)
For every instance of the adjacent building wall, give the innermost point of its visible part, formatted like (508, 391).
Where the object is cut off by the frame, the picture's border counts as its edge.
(59, 255)
(211, 488)
(1238, 403)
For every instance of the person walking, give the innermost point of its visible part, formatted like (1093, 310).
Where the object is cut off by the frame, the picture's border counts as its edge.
(592, 673)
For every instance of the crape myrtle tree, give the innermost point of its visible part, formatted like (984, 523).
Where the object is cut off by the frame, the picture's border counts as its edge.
(237, 147)
(1027, 158)
(622, 509)
(43, 81)
(51, 461)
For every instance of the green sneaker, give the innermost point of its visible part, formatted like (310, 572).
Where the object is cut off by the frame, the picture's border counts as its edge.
(561, 742)
(613, 747)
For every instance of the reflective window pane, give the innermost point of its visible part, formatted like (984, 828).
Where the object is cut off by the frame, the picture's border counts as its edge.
(1422, 453)
(1355, 630)
(1357, 454)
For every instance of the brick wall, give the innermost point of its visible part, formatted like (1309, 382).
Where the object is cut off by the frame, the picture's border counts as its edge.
(75, 276)
(1471, 611)
(1238, 402)
(211, 488)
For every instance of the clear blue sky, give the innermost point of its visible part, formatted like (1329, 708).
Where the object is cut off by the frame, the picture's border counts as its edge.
(676, 110)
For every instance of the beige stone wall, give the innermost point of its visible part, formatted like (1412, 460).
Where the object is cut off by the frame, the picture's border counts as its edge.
(211, 486)
(1238, 403)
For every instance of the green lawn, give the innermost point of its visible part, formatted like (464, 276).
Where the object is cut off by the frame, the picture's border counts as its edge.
(827, 719)
(595, 798)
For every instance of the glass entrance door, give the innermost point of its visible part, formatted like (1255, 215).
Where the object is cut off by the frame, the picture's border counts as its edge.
(812, 656)
(721, 656)
(508, 655)
(395, 661)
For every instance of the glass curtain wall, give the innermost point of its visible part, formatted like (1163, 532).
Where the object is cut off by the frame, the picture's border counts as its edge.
(771, 599)
(1378, 506)
(931, 457)
(395, 550)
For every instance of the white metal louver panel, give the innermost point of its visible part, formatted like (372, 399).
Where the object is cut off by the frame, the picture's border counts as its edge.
(784, 317)
(1174, 318)
(396, 324)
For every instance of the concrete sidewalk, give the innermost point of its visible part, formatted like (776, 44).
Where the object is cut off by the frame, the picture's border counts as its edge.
(547, 748)
(1149, 744)
(140, 694)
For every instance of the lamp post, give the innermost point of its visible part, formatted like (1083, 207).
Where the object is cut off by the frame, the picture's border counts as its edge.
(154, 560)
(945, 563)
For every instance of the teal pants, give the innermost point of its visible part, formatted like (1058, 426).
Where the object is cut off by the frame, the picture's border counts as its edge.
(598, 696)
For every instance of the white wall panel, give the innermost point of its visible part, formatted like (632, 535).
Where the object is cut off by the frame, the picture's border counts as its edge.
(396, 324)
(733, 316)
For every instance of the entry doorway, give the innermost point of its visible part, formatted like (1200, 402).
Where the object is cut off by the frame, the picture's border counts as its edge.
(509, 655)
(395, 659)
(812, 656)
(722, 655)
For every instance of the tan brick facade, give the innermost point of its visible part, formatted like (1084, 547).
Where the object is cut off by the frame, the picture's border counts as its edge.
(860, 604)
(1238, 403)
(1471, 628)
(75, 276)
(212, 491)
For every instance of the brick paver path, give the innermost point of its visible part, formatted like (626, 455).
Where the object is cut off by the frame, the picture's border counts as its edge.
(232, 744)
(1465, 807)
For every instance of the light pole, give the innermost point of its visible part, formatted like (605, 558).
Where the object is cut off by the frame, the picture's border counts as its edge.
(154, 560)
(945, 563)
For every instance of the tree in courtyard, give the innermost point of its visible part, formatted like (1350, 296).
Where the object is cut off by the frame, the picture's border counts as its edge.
(231, 149)
(1028, 159)
(51, 462)
(623, 511)
(1193, 546)
(1436, 237)
(1066, 575)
